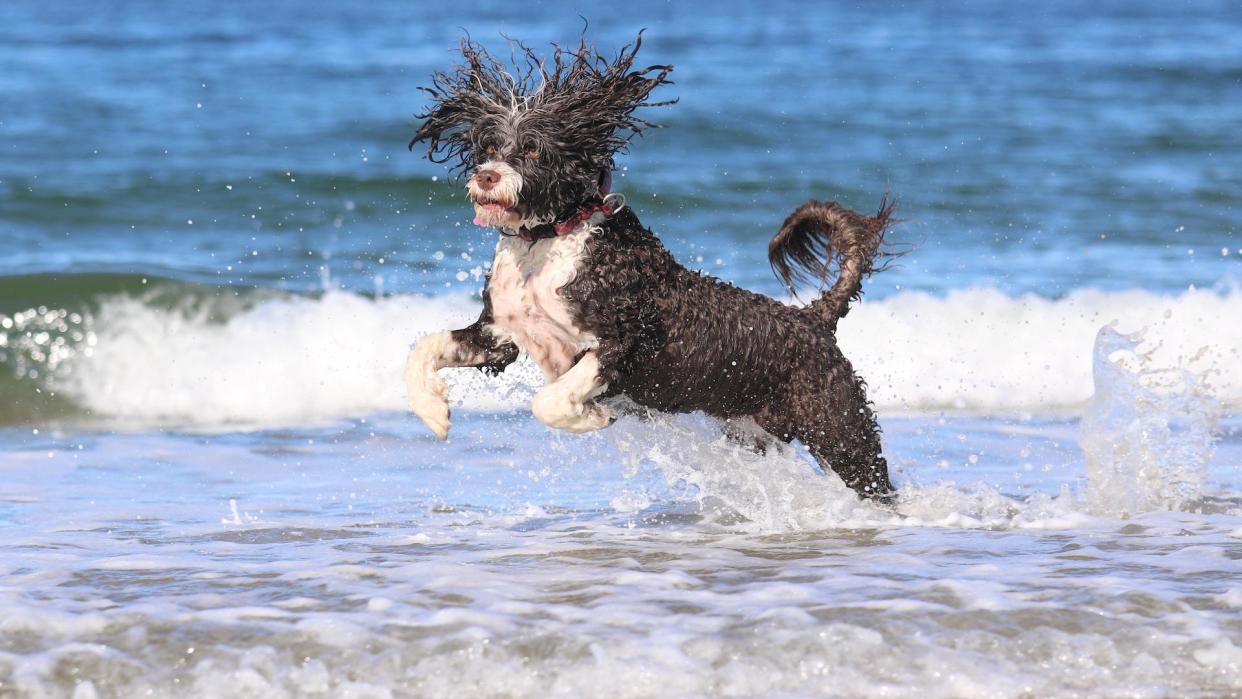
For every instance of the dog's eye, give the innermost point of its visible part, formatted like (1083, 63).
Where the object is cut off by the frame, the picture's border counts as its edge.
(489, 151)
(533, 154)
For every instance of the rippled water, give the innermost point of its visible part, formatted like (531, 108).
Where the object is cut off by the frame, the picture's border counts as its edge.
(361, 558)
(215, 249)
(357, 559)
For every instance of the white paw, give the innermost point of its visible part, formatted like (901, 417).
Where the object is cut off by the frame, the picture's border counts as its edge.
(558, 411)
(593, 418)
(427, 392)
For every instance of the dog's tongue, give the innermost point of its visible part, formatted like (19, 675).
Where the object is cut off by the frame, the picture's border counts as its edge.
(605, 183)
(478, 220)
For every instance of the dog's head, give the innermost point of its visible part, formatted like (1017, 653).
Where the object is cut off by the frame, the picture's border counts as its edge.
(537, 138)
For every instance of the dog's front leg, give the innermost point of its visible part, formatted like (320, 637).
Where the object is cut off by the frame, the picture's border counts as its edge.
(566, 403)
(469, 347)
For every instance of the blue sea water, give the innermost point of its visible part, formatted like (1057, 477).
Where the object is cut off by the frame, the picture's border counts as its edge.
(215, 250)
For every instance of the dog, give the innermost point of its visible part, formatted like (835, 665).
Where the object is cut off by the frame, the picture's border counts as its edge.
(582, 288)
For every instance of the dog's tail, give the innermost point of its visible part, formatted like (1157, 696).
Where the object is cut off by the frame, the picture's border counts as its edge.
(818, 235)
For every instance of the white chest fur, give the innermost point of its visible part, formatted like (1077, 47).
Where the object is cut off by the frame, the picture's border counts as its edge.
(527, 307)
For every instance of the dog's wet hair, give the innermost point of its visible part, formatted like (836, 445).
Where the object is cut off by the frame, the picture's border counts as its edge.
(666, 337)
(819, 236)
(558, 120)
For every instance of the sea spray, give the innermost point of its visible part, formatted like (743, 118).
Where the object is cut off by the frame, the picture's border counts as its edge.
(691, 460)
(1148, 431)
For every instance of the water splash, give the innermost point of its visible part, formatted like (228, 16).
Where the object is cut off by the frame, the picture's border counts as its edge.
(1148, 432)
(1148, 435)
(689, 459)
(773, 491)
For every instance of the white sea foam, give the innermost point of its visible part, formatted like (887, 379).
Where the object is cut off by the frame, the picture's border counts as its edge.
(980, 350)
(282, 361)
(299, 359)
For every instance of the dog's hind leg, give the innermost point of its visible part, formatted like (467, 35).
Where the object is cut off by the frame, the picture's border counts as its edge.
(835, 422)
(566, 403)
(854, 455)
(749, 432)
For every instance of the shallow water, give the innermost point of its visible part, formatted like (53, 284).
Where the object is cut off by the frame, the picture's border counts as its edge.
(656, 558)
(215, 250)
(356, 559)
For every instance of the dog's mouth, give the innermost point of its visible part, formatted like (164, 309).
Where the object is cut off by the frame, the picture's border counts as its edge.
(496, 212)
(493, 207)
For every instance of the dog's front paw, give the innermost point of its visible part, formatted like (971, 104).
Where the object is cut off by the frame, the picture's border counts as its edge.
(555, 410)
(593, 418)
(432, 407)
(427, 393)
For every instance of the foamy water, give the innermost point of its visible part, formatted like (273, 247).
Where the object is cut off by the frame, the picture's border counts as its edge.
(297, 564)
(287, 360)
(361, 558)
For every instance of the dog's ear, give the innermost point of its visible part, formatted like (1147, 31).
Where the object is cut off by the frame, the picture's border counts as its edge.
(460, 98)
(440, 122)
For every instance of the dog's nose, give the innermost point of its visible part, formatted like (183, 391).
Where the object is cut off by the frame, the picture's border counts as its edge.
(487, 179)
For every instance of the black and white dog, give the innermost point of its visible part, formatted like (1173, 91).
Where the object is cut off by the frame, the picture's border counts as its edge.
(597, 302)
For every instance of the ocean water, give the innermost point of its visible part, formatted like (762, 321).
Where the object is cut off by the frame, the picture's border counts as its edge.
(215, 251)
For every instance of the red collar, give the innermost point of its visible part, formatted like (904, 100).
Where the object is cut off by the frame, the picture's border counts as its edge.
(583, 214)
(568, 225)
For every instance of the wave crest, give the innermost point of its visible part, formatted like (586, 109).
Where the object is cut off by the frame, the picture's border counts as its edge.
(292, 359)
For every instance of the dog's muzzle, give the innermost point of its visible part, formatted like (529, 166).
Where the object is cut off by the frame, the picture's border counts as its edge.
(494, 189)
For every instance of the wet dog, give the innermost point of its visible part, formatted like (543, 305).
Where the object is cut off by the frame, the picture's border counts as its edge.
(586, 291)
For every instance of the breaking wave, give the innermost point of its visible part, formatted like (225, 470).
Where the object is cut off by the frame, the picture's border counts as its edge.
(177, 353)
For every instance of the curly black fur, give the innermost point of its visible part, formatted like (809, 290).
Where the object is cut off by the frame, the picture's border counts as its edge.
(668, 338)
(677, 340)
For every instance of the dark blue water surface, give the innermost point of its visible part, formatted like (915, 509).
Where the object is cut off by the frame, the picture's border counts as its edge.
(1033, 146)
